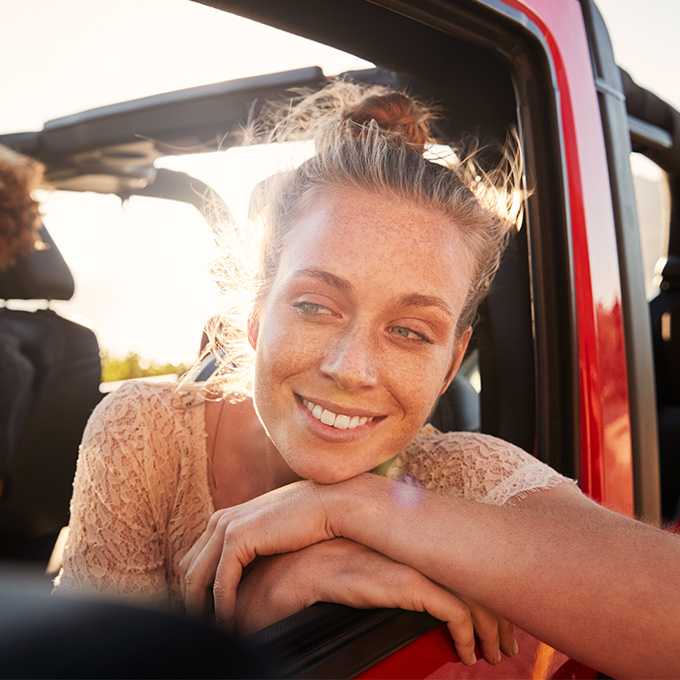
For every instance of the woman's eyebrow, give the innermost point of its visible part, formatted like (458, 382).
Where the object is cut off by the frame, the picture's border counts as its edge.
(408, 300)
(419, 300)
(326, 277)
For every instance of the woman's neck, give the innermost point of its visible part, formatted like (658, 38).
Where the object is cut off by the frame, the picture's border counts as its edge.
(242, 461)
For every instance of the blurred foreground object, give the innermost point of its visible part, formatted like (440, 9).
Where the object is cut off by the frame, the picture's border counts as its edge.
(63, 637)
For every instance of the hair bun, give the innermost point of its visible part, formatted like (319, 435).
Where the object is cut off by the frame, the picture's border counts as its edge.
(397, 113)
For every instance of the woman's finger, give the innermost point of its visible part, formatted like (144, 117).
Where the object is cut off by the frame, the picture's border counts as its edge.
(268, 531)
(197, 547)
(200, 574)
(445, 606)
(234, 558)
(506, 632)
(486, 627)
(373, 580)
(186, 562)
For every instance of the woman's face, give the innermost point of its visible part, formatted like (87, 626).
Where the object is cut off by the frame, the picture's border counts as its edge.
(356, 339)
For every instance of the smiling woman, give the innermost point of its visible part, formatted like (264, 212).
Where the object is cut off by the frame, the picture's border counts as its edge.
(373, 262)
(339, 330)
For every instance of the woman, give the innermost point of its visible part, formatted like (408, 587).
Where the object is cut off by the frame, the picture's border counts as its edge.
(372, 267)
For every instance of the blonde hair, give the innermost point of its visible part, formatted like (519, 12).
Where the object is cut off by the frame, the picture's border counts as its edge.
(374, 139)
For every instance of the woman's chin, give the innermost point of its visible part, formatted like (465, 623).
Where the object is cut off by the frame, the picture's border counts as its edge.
(326, 475)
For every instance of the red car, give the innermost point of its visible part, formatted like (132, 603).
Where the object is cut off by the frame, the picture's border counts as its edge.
(567, 365)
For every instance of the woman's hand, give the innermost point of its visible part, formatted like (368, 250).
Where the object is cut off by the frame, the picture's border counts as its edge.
(281, 521)
(348, 573)
(287, 520)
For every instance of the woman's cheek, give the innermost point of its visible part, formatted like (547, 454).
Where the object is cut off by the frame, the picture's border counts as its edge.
(289, 348)
(417, 376)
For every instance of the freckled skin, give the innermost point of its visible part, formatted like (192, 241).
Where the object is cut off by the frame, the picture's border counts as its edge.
(351, 350)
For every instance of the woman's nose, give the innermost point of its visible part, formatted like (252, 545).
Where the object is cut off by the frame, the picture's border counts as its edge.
(351, 362)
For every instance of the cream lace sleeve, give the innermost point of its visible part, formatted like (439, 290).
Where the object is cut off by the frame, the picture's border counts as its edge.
(115, 542)
(475, 466)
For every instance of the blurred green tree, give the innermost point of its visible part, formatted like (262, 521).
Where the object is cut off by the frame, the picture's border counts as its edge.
(133, 366)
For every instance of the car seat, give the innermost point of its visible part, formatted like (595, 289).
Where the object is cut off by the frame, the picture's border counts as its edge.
(664, 312)
(665, 319)
(50, 372)
(503, 344)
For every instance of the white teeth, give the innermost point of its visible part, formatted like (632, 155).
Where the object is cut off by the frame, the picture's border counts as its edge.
(341, 421)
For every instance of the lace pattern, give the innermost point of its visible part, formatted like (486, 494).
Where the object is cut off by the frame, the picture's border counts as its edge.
(141, 496)
(138, 502)
(474, 466)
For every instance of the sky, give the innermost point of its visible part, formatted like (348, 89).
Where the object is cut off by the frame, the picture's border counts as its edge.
(142, 269)
(85, 54)
(644, 35)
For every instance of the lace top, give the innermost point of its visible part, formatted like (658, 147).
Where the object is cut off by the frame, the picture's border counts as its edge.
(141, 495)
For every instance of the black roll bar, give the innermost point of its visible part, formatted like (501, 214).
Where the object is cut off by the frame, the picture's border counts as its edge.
(655, 132)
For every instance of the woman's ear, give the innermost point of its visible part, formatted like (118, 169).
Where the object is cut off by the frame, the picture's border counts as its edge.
(253, 330)
(457, 359)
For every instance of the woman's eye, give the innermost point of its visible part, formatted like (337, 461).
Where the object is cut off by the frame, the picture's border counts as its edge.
(408, 334)
(311, 308)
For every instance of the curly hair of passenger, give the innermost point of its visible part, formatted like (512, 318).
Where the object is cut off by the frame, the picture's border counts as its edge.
(19, 211)
(366, 137)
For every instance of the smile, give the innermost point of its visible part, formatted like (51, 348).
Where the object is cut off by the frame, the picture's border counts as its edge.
(335, 423)
(340, 421)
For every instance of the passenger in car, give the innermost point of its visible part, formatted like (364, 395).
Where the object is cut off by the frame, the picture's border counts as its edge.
(19, 211)
(374, 260)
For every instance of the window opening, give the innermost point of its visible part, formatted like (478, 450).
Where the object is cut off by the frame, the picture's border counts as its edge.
(653, 202)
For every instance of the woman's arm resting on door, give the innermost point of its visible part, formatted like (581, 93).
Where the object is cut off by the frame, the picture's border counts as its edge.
(597, 585)
(600, 587)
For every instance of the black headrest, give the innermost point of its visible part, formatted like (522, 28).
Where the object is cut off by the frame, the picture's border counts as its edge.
(670, 274)
(42, 275)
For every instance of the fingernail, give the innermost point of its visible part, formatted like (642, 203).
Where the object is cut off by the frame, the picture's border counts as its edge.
(473, 659)
(515, 648)
(497, 659)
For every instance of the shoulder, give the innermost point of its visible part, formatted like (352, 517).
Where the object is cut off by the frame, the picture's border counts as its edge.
(138, 443)
(166, 395)
(472, 465)
(137, 403)
(136, 427)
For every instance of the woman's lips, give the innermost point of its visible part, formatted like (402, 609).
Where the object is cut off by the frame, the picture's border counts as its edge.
(336, 408)
(334, 434)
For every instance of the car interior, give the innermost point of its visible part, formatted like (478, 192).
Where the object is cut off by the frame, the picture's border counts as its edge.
(488, 78)
(113, 150)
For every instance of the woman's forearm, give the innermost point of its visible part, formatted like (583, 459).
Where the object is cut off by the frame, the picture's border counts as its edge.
(598, 586)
